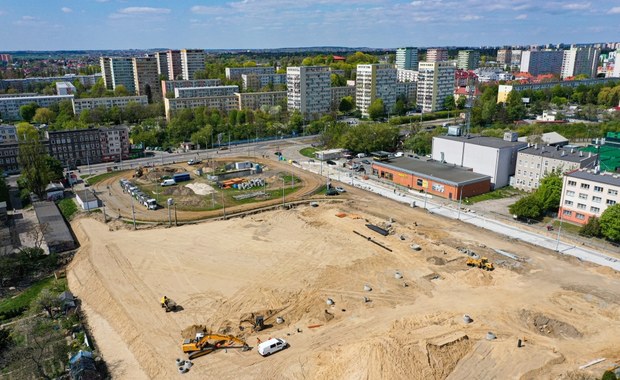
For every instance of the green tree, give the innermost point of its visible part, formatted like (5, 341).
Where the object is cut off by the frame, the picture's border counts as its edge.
(610, 222)
(461, 102)
(420, 143)
(346, 104)
(296, 120)
(449, 104)
(527, 207)
(549, 192)
(28, 111)
(26, 131)
(592, 228)
(54, 167)
(338, 81)
(203, 136)
(376, 110)
(609, 375)
(44, 116)
(47, 301)
(33, 162)
(400, 107)
(121, 90)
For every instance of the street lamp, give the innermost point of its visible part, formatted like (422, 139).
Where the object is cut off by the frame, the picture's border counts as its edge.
(557, 246)
(170, 202)
(283, 205)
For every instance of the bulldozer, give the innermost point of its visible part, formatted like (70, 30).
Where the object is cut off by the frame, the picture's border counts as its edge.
(206, 344)
(482, 263)
(139, 172)
(168, 304)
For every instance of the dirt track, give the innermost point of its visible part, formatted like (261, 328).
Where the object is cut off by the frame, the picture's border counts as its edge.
(293, 260)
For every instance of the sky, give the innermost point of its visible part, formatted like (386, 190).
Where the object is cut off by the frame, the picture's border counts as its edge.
(249, 24)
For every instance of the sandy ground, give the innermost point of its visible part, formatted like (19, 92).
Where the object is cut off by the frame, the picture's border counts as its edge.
(200, 188)
(290, 261)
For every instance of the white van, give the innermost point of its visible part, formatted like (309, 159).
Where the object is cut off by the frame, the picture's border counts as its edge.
(168, 182)
(361, 155)
(270, 346)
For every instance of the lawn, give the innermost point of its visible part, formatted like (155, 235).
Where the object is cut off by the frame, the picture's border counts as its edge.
(505, 192)
(67, 207)
(100, 177)
(25, 298)
(308, 152)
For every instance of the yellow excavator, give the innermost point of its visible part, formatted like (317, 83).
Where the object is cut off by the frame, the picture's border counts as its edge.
(482, 263)
(168, 304)
(211, 342)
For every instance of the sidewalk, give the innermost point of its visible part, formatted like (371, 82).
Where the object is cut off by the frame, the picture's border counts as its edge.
(434, 206)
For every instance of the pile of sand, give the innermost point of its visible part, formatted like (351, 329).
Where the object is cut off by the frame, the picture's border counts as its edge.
(200, 188)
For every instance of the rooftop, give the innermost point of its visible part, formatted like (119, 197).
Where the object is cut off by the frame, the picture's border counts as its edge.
(572, 155)
(448, 174)
(551, 138)
(606, 178)
(492, 142)
(54, 228)
(609, 156)
(86, 195)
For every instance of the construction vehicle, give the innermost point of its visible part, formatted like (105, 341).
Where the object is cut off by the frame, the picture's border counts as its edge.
(168, 304)
(206, 344)
(482, 263)
(139, 172)
(256, 323)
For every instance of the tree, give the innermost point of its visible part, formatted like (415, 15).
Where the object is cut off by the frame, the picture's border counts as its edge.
(4, 189)
(28, 111)
(346, 104)
(338, 80)
(44, 116)
(549, 192)
(400, 107)
(610, 222)
(461, 102)
(33, 162)
(527, 207)
(376, 110)
(26, 132)
(296, 120)
(449, 104)
(47, 301)
(121, 90)
(592, 228)
(609, 375)
(420, 143)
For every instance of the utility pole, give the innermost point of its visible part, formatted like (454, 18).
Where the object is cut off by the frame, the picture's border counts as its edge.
(223, 205)
(557, 246)
(176, 222)
(133, 213)
(282, 192)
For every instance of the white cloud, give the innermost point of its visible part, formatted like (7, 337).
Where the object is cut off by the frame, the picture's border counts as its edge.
(614, 11)
(576, 6)
(471, 17)
(521, 17)
(28, 18)
(66, 10)
(206, 10)
(144, 11)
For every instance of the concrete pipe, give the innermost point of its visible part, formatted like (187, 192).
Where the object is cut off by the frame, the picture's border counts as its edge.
(491, 336)
(180, 362)
(279, 320)
(467, 319)
(367, 288)
(398, 275)
(329, 301)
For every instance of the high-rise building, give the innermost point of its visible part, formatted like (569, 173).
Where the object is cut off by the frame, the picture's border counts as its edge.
(437, 55)
(162, 63)
(580, 60)
(435, 84)
(146, 78)
(122, 73)
(616, 72)
(542, 61)
(309, 90)
(515, 59)
(174, 64)
(407, 58)
(375, 81)
(192, 61)
(504, 56)
(468, 59)
(106, 72)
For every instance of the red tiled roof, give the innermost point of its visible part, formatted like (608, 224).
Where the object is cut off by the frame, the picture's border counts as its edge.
(339, 58)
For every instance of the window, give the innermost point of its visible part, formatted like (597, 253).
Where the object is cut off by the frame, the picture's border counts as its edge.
(567, 213)
(583, 196)
(572, 183)
(612, 192)
(419, 182)
(596, 199)
(568, 203)
(581, 206)
(585, 186)
(580, 216)
(611, 202)
(598, 189)
(595, 209)
(570, 193)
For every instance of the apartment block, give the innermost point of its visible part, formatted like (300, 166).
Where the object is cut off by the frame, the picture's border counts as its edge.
(199, 92)
(122, 72)
(6, 58)
(376, 81)
(75, 147)
(234, 73)
(468, 59)
(587, 193)
(146, 78)
(9, 151)
(340, 92)
(254, 82)
(504, 89)
(162, 63)
(82, 104)
(8, 133)
(9, 106)
(580, 61)
(65, 88)
(435, 84)
(407, 58)
(192, 61)
(114, 143)
(537, 62)
(106, 72)
(403, 75)
(436, 55)
(504, 56)
(536, 162)
(27, 84)
(174, 64)
(256, 100)
(223, 103)
(515, 59)
(616, 71)
(168, 86)
(309, 90)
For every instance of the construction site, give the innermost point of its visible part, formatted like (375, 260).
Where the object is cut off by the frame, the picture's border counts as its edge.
(354, 287)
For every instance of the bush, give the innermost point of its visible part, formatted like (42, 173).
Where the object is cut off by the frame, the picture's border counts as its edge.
(609, 375)
(67, 207)
(592, 228)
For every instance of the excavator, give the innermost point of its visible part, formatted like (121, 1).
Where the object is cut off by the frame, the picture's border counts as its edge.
(256, 323)
(168, 304)
(482, 263)
(204, 345)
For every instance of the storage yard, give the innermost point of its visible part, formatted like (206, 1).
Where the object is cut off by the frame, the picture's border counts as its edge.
(351, 302)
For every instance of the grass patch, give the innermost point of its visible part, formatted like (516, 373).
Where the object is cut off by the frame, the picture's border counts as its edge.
(67, 207)
(100, 177)
(23, 300)
(570, 228)
(504, 192)
(288, 179)
(84, 176)
(308, 152)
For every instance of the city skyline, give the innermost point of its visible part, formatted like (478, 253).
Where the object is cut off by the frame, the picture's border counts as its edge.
(251, 24)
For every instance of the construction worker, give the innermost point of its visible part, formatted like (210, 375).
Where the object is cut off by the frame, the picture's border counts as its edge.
(258, 341)
(164, 301)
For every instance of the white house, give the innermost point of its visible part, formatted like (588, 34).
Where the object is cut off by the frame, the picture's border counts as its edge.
(87, 200)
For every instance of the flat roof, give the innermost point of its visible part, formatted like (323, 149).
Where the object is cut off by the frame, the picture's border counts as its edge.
(606, 178)
(86, 195)
(548, 138)
(552, 152)
(435, 170)
(54, 228)
(492, 142)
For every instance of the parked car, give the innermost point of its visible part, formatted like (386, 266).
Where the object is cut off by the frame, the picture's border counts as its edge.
(340, 189)
(331, 191)
(278, 153)
(330, 162)
(194, 162)
(271, 346)
(366, 162)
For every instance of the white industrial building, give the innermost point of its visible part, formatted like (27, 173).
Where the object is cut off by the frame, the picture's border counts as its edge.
(492, 156)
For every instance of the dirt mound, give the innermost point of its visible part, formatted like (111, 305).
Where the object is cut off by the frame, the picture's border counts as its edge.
(435, 260)
(191, 331)
(476, 277)
(544, 325)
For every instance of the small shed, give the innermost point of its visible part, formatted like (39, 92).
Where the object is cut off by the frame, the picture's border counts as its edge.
(67, 301)
(82, 367)
(54, 191)
(87, 200)
(330, 154)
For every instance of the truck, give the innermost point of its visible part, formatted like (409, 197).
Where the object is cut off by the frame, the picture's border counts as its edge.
(150, 204)
(180, 177)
